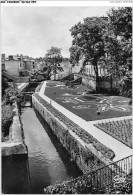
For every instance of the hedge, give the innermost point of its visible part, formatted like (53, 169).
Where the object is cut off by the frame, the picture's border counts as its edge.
(83, 185)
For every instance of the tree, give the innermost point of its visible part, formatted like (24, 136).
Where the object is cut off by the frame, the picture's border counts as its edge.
(112, 57)
(121, 21)
(53, 59)
(23, 73)
(118, 46)
(88, 42)
(75, 54)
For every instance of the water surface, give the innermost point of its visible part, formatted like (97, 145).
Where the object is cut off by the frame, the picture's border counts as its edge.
(49, 162)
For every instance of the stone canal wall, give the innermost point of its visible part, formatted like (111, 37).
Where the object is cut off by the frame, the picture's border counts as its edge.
(80, 145)
(15, 144)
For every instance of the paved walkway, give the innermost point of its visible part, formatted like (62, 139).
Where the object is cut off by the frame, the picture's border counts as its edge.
(120, 149)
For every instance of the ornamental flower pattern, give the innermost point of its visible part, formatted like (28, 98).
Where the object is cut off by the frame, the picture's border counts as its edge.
(100, 104)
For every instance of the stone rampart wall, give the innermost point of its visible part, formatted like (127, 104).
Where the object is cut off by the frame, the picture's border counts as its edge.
(87, 80)
(84, 154)
(90, 81)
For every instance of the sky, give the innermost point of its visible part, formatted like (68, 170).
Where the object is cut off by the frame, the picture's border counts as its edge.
(33, 30)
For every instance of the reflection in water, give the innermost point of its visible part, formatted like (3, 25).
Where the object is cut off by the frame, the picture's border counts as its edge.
(15, 174)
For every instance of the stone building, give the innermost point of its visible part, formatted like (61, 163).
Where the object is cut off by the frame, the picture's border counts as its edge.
(15, 64)
(12, 65)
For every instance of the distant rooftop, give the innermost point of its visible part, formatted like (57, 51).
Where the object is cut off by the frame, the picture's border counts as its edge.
(18, 58)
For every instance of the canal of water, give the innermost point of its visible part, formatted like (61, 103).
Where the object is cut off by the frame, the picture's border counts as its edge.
(47, 162)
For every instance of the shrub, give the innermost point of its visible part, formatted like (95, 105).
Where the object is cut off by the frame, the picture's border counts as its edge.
(24, 73)
(125, 87)
(10, 94)
(80, 185)
(4, 82)
(122, 185)
(7, 117)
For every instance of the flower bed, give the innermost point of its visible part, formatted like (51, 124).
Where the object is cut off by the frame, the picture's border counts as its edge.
(120, 130)
(86, 137)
